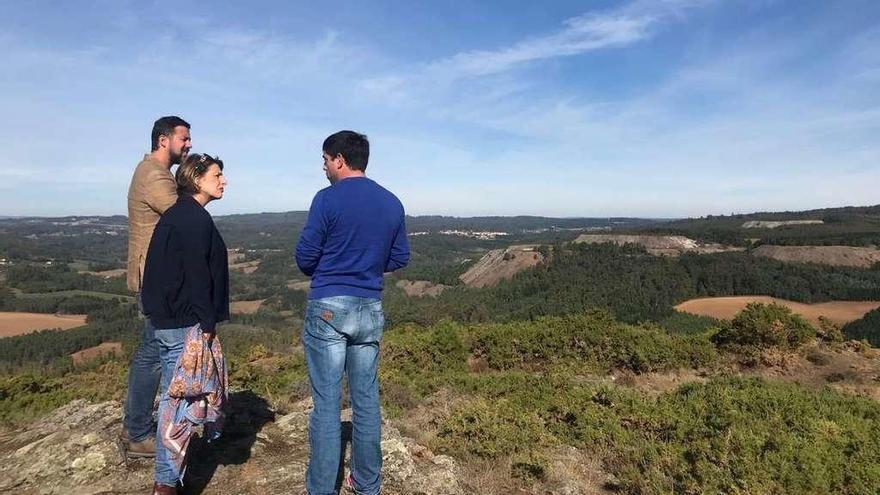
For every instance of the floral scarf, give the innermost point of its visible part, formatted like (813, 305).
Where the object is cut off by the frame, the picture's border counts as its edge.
(196, 396)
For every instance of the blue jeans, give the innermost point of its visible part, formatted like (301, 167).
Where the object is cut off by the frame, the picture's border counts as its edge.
(170, 343)
(143, 381)
(341, 334)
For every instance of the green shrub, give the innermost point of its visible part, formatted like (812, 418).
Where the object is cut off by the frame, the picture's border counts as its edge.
(729, 435)
(765, 325)
(491, 429)
(594, 341)
(681, 323)
(867, 328)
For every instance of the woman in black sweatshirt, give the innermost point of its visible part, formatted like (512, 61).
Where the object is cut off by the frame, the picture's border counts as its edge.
(186, 279)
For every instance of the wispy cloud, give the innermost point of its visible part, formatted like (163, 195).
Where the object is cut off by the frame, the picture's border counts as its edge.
(735, 114)
(632, 23)
(580, 35)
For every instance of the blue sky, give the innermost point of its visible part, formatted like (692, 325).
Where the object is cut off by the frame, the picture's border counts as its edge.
(584, 108)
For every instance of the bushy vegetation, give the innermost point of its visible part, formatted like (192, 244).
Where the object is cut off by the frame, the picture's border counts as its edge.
(48, 351)
(59, 277)
(525, 367)
(688, 324)
(729, 435)
(850, 226)
(634, 285)
(535, 392)
(765, 325)
(867, 328)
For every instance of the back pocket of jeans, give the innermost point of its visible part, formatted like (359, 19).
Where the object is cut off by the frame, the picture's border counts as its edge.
(324, 315)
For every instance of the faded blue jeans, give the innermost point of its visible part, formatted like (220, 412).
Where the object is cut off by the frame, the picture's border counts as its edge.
(170, 343)
(341, 335)
(143, 381)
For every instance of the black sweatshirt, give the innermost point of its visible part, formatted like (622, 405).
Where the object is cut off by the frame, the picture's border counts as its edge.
(186, 275)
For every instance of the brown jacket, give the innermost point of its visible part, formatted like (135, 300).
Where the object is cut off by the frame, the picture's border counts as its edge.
(152, 191)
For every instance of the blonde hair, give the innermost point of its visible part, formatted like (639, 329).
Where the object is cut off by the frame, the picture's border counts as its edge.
(191, 169)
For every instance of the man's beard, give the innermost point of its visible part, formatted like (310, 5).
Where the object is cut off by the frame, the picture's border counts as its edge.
(178, 158)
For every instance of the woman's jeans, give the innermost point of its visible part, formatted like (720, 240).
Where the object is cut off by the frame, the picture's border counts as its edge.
(341, 334)
(170, 343)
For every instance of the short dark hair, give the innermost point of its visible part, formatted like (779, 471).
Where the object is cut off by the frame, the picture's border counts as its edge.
(353, 146)
(191, 169)
(165, 127)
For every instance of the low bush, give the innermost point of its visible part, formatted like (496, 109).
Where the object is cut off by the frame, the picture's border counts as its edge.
(729, 435)
(765, 325)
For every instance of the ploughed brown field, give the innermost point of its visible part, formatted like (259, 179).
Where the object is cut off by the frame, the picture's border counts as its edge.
(13, 323)
(105, 349)
(725, 308)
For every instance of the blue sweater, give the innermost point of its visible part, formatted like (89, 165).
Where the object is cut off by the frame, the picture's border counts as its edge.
(355, 232)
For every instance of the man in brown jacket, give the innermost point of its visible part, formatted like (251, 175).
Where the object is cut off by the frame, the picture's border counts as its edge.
(152, 191)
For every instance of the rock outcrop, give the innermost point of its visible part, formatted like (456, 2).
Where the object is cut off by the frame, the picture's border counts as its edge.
(72, 451)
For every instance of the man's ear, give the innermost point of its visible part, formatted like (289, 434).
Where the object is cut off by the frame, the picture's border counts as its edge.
(163, 141)
(342, 160)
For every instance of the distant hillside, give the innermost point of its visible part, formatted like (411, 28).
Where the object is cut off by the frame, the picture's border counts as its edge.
(849, 226)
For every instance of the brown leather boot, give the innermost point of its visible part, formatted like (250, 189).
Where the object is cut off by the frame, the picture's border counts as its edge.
(159, 489)
(144, 448)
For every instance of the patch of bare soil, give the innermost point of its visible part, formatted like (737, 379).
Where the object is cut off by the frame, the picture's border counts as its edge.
(420, 288)
(850, 368)
(245, 307)
(299, 285)
(501, 264)
(859, 257)
(725, 308)
(246, 267)
(655, 384)
(14, 323)
(105, 349)
(234, 256)
(660, 245)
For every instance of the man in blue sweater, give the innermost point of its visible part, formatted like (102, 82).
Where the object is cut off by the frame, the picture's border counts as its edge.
(355, 232)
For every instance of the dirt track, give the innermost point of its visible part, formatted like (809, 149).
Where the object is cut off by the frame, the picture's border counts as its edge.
(13, 323)
(726, 308)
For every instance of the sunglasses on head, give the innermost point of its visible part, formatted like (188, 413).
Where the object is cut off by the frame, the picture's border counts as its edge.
(205, 161)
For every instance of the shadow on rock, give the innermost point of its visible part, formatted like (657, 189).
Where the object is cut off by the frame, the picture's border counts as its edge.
(247, 413)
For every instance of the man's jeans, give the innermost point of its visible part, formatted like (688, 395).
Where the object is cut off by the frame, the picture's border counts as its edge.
(170, 344)
(143, 380)
(341, 334)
